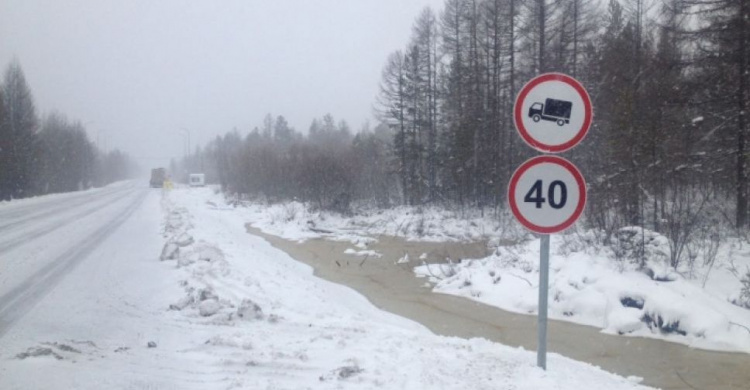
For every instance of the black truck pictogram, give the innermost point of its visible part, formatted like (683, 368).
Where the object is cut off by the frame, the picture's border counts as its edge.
(552, 110)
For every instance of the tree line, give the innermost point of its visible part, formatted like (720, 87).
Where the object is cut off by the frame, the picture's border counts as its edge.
(668, 81)
(48, 155)
(331, 167)
(667, 149)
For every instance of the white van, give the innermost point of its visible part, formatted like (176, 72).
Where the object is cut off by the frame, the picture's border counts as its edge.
(197, 180)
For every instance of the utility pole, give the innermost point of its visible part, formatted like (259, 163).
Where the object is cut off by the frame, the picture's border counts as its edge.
(186, 152)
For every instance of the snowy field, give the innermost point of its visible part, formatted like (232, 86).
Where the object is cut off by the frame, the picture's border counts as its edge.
(181, 297)
(590, 283)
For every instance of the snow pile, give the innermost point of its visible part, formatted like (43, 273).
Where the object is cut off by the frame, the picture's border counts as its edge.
(206, 264)
(602, 287)
(69, 350)
(270, 324)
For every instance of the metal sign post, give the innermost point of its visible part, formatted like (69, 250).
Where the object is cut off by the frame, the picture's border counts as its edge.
(541, 351)
(547, 194)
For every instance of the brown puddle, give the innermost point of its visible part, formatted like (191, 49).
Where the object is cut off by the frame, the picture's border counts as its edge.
(393, 287)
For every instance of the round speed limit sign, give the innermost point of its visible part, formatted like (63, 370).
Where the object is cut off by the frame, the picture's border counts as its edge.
(547, 194)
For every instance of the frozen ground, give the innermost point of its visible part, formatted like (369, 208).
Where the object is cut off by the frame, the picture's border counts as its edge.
(590, 283)
(179, 296)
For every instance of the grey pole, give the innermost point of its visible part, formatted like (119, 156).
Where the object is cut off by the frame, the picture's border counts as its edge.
(541, 352)
(184, 149)
(187, 131)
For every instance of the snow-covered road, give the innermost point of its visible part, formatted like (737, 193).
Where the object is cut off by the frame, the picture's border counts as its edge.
(85, 303)
(85, 294)
(43, 239)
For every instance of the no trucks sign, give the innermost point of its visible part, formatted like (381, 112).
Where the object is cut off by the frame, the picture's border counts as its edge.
(552, 112)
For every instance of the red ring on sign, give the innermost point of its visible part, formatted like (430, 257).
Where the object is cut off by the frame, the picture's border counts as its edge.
(518, 115)
(553, 160)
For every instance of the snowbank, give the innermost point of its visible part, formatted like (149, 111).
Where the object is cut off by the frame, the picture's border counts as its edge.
(295, 221)
(594, 286)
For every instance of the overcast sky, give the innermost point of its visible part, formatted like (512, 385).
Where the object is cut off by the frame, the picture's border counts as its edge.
(136, 71)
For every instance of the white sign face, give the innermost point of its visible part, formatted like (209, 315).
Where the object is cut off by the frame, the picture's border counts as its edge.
(552, 112)
(547, 194)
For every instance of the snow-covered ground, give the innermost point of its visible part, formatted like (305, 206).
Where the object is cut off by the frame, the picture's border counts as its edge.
(293, 220)
(592, 287)
(589, 283)
(180, 296)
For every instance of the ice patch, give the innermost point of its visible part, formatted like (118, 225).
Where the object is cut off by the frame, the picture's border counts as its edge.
(404, 259)
(368, 253)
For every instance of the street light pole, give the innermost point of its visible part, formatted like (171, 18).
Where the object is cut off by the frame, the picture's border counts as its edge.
(184, 149)
(188, 138)
(187, 155)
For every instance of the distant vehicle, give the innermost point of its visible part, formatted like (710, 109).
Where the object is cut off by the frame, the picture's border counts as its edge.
(197, 180)
(552, 110)
(158, 175)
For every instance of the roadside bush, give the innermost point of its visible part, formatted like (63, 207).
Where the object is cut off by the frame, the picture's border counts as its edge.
(637, 245)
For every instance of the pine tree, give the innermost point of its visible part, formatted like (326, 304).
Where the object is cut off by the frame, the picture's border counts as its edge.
(6, 142)
(21, 126)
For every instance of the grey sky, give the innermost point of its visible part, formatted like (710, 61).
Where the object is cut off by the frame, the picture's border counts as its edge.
(136, 71)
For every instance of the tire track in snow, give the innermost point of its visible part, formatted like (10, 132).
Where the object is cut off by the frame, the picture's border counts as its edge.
(20, 217)
(49, 207)
(39, 232)
(14, 304)
(27, 211)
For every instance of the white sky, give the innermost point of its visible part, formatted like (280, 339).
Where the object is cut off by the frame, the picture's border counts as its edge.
(136, 71)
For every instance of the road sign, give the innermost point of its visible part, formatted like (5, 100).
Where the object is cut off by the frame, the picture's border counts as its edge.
(552, 112)
(547, 194)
